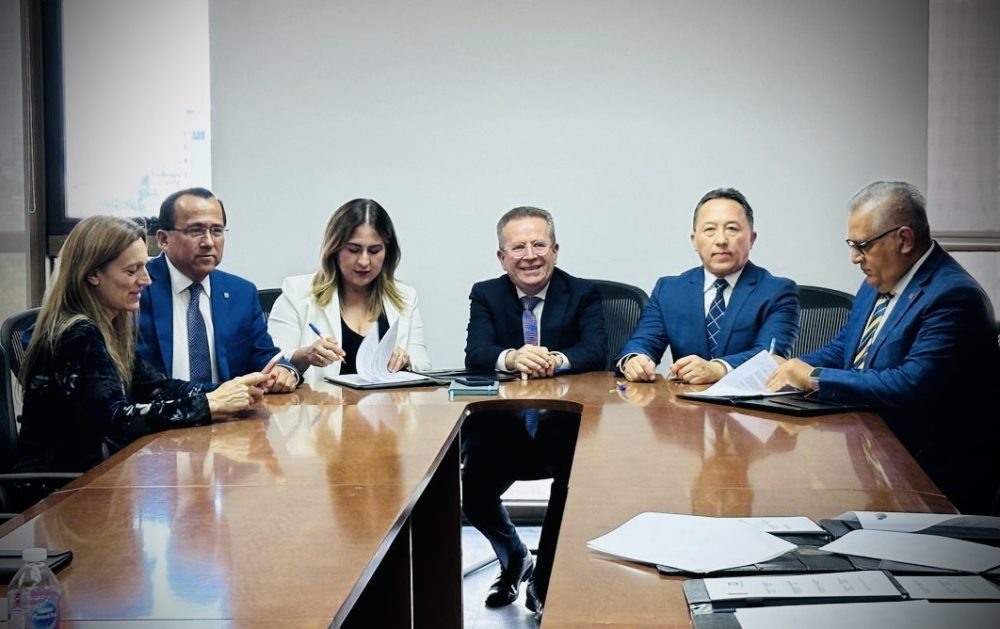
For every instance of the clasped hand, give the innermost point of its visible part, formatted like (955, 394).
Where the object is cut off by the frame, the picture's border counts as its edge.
(238, 394)
(534, 361)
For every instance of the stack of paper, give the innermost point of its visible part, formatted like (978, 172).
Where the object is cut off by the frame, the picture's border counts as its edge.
(690, 543)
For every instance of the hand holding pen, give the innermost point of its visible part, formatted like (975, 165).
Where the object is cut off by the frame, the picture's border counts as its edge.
(324, 351)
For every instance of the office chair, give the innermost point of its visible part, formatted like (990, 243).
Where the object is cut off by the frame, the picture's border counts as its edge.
(822, 312)
(623, 304)
(8, 451)
(267, 298)
(11, 339)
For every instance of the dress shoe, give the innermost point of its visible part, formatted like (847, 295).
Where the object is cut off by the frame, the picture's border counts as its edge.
(504, 589)
(531, 600)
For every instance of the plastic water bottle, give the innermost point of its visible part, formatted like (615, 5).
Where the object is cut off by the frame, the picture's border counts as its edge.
(34, 594)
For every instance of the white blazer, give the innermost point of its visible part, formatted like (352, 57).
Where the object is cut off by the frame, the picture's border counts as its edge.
(296, 308)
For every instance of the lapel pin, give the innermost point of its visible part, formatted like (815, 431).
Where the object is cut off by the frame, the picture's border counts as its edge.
(225, 295)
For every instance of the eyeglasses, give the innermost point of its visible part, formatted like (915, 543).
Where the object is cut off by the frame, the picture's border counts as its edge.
(198, 232)
(863, 247)
(539, 248)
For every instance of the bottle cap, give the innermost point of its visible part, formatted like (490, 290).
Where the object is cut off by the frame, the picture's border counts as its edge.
(34, 554)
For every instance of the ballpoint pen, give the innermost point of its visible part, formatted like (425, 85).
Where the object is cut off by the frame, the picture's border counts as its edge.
(320, 334)
(771, 351)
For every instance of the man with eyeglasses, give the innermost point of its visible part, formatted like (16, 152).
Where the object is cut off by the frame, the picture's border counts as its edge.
(918, 345)
(537, 321)
(716, 316)
(196, 322)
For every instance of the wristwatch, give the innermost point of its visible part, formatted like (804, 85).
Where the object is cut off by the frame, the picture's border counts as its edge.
(814, 379)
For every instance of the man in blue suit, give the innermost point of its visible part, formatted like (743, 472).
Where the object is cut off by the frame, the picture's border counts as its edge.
(192, 236)
(919, 346)
(716, 316)
(537, 321)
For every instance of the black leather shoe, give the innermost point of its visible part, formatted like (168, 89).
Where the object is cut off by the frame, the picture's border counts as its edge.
(531, 600)
(508, 582)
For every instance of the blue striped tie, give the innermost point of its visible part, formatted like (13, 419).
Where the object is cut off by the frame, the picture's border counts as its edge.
(715, 313)
(198, 355)
(869, 334)
(529, 325)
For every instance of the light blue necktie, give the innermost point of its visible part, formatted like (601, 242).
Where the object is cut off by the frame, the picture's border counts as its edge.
(715, 313)
(529, 325)
(198, 354)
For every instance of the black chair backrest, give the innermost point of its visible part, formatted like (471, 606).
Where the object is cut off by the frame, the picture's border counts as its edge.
(267, 298)
(623, 304)
(8, 425)
(11, 334)
(822, 312)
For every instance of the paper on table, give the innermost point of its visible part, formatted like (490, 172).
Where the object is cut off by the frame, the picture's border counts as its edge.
(747, 380)
(915, 548)
(873, 583)
(689, 542)
(372, 360)
(784, 524)
(872, 615)
(937, 587)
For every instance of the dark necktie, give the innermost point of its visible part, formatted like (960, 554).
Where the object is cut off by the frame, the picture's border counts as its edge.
(529, 325)
(713, 322)
(869, 334)
(198, 355)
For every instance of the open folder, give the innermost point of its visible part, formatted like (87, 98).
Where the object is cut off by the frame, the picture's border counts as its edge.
(372, 364)
(743, 387)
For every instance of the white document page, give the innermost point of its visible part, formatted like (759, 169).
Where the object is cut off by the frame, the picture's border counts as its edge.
(833, 584)
(872, 615)
(915, 548)
(689, 542)
(947, 587)
(784, 524)
(372, 361)
(747, 380)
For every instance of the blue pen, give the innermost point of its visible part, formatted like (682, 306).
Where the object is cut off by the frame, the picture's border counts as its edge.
(320, 334)
(771, 351)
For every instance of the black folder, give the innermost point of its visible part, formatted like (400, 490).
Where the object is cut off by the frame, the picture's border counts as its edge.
(982, 529)
(797, 404)
(807, 557)
(10, 562)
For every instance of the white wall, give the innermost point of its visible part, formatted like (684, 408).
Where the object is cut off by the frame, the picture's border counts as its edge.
(615, 116)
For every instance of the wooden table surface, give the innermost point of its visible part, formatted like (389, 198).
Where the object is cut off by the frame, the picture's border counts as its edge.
(283, 515)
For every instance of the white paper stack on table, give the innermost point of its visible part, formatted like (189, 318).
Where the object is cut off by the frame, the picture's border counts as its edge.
(697, 544)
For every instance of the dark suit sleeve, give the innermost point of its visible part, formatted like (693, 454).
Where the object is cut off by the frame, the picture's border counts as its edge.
(779, 320)
(924, 354)
(483, 342)
(589, 352)
(650, 335)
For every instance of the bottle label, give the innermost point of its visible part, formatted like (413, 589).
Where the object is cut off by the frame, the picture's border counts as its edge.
(45, 615)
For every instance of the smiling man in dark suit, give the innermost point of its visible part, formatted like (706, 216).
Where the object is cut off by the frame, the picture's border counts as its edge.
(538, 321)
(231, 338)
(919, 342)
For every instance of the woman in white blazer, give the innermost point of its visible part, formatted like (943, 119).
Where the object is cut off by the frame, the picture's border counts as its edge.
(320, 319)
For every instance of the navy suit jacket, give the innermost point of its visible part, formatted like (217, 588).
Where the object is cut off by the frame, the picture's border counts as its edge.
(940, 332)
(924, 373)
(572, 322)
(242, 344)
(761, 308)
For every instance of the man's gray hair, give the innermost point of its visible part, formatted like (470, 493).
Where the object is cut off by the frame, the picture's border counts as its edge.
(525, 211)
(896, 203)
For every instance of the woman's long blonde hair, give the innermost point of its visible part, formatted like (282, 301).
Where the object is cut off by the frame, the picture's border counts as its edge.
(339, 230)
(93, 243)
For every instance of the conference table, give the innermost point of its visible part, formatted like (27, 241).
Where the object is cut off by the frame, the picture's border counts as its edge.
(338, 507)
